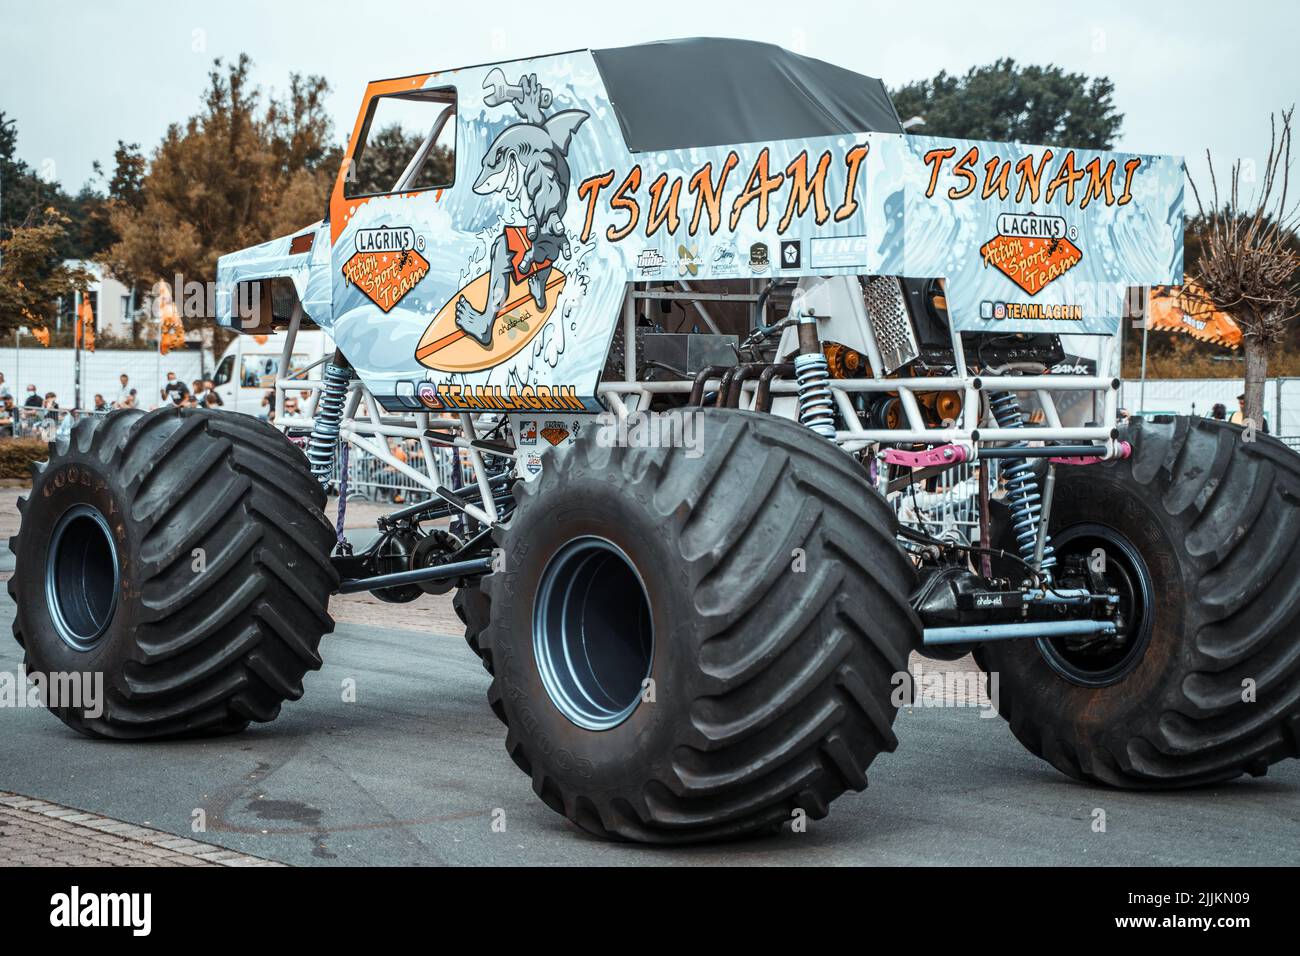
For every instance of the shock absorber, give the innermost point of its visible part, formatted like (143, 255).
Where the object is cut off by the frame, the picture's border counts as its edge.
(1023, 494)
(816, 407)
(324, 440)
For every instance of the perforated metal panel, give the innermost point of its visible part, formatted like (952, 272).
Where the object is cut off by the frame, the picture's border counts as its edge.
(895, 337)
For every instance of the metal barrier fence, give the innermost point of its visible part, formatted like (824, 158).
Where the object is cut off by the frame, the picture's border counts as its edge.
(369, 478)
(372, 479)
(946, 505)
(45, 424)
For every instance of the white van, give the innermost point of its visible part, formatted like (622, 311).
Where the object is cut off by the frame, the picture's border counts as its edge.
(249, 367)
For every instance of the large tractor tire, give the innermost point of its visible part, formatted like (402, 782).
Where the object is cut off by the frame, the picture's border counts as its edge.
(181, 556)
(1200, 532)
(694, 644)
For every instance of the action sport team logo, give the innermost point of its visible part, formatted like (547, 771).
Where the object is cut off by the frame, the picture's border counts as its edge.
(1031, 250)
(387, 264)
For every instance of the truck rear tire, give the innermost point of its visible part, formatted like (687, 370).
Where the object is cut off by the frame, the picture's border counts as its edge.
(183, 557)
(694, 644)
(1212, 523)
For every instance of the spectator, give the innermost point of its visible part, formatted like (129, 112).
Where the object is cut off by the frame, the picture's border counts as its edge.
(211, 399)
(1239, 416)
(51, 405)
(267, 411)
(100, 404)
(1219, 412)
(125, 394)
(8, 416)
(197, 390)
(4, 389)
(33, 398)
(175, 390)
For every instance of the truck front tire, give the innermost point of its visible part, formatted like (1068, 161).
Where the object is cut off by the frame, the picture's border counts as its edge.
(691, 646)
(182, 558)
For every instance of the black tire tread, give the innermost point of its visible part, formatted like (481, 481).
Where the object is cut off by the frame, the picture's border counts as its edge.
(471, 606)
(214, 650)
(1238, 505)
(791, 714)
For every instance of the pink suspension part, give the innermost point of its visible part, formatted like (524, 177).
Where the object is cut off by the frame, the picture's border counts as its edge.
(941, 455)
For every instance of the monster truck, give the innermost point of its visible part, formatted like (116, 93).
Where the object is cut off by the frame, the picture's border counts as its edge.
(682, 358)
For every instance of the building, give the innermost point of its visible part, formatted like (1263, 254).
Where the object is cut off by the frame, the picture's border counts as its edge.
(116, 313)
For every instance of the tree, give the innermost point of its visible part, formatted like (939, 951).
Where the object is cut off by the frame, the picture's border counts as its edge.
(21, 190)
(234, 175)
(1042, 105)
(386, 155)
(36, 235)
(127, 182)
(1248, 261)
(33, 275)
(87, 230)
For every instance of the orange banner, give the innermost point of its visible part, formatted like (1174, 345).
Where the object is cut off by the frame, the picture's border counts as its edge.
(84, 334)
(1186, 309)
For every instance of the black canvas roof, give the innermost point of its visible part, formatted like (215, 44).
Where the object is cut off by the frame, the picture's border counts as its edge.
(709, 92)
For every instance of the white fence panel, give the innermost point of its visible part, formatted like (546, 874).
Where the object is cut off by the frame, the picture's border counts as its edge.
(52, 370)
(1198, 396)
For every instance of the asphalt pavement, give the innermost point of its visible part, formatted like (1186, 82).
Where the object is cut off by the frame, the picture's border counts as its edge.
(414, 772)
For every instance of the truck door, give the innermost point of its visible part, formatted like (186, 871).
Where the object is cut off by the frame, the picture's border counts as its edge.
(383, 220)
(223, 380)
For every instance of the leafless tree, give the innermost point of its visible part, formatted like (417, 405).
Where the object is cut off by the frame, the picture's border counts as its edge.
(1250, 257)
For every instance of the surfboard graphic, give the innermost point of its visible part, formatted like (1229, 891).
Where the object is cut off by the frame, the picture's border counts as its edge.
(446, 348)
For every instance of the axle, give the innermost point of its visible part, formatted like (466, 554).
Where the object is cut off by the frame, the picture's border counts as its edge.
(975, 633)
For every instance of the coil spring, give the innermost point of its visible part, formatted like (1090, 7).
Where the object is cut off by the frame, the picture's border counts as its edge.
(324, 440)
(1023, 495)
(816, 407)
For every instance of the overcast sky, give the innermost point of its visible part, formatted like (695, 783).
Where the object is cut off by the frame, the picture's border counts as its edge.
(78, 76)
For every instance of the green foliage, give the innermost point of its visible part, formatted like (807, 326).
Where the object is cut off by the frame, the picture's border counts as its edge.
(21, 190)
(1004, 101)
(127, 183)
(33, 275)
(25, 196)
(386, 155)
(236, 174)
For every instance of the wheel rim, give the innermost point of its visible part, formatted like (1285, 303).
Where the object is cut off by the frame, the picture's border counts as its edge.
(1102, 663)
(593, 636)
(82, 577)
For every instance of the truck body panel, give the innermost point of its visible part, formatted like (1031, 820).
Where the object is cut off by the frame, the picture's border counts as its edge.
(546, 194)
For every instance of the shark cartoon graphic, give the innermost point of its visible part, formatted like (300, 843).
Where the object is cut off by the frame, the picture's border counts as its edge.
(528, 162)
